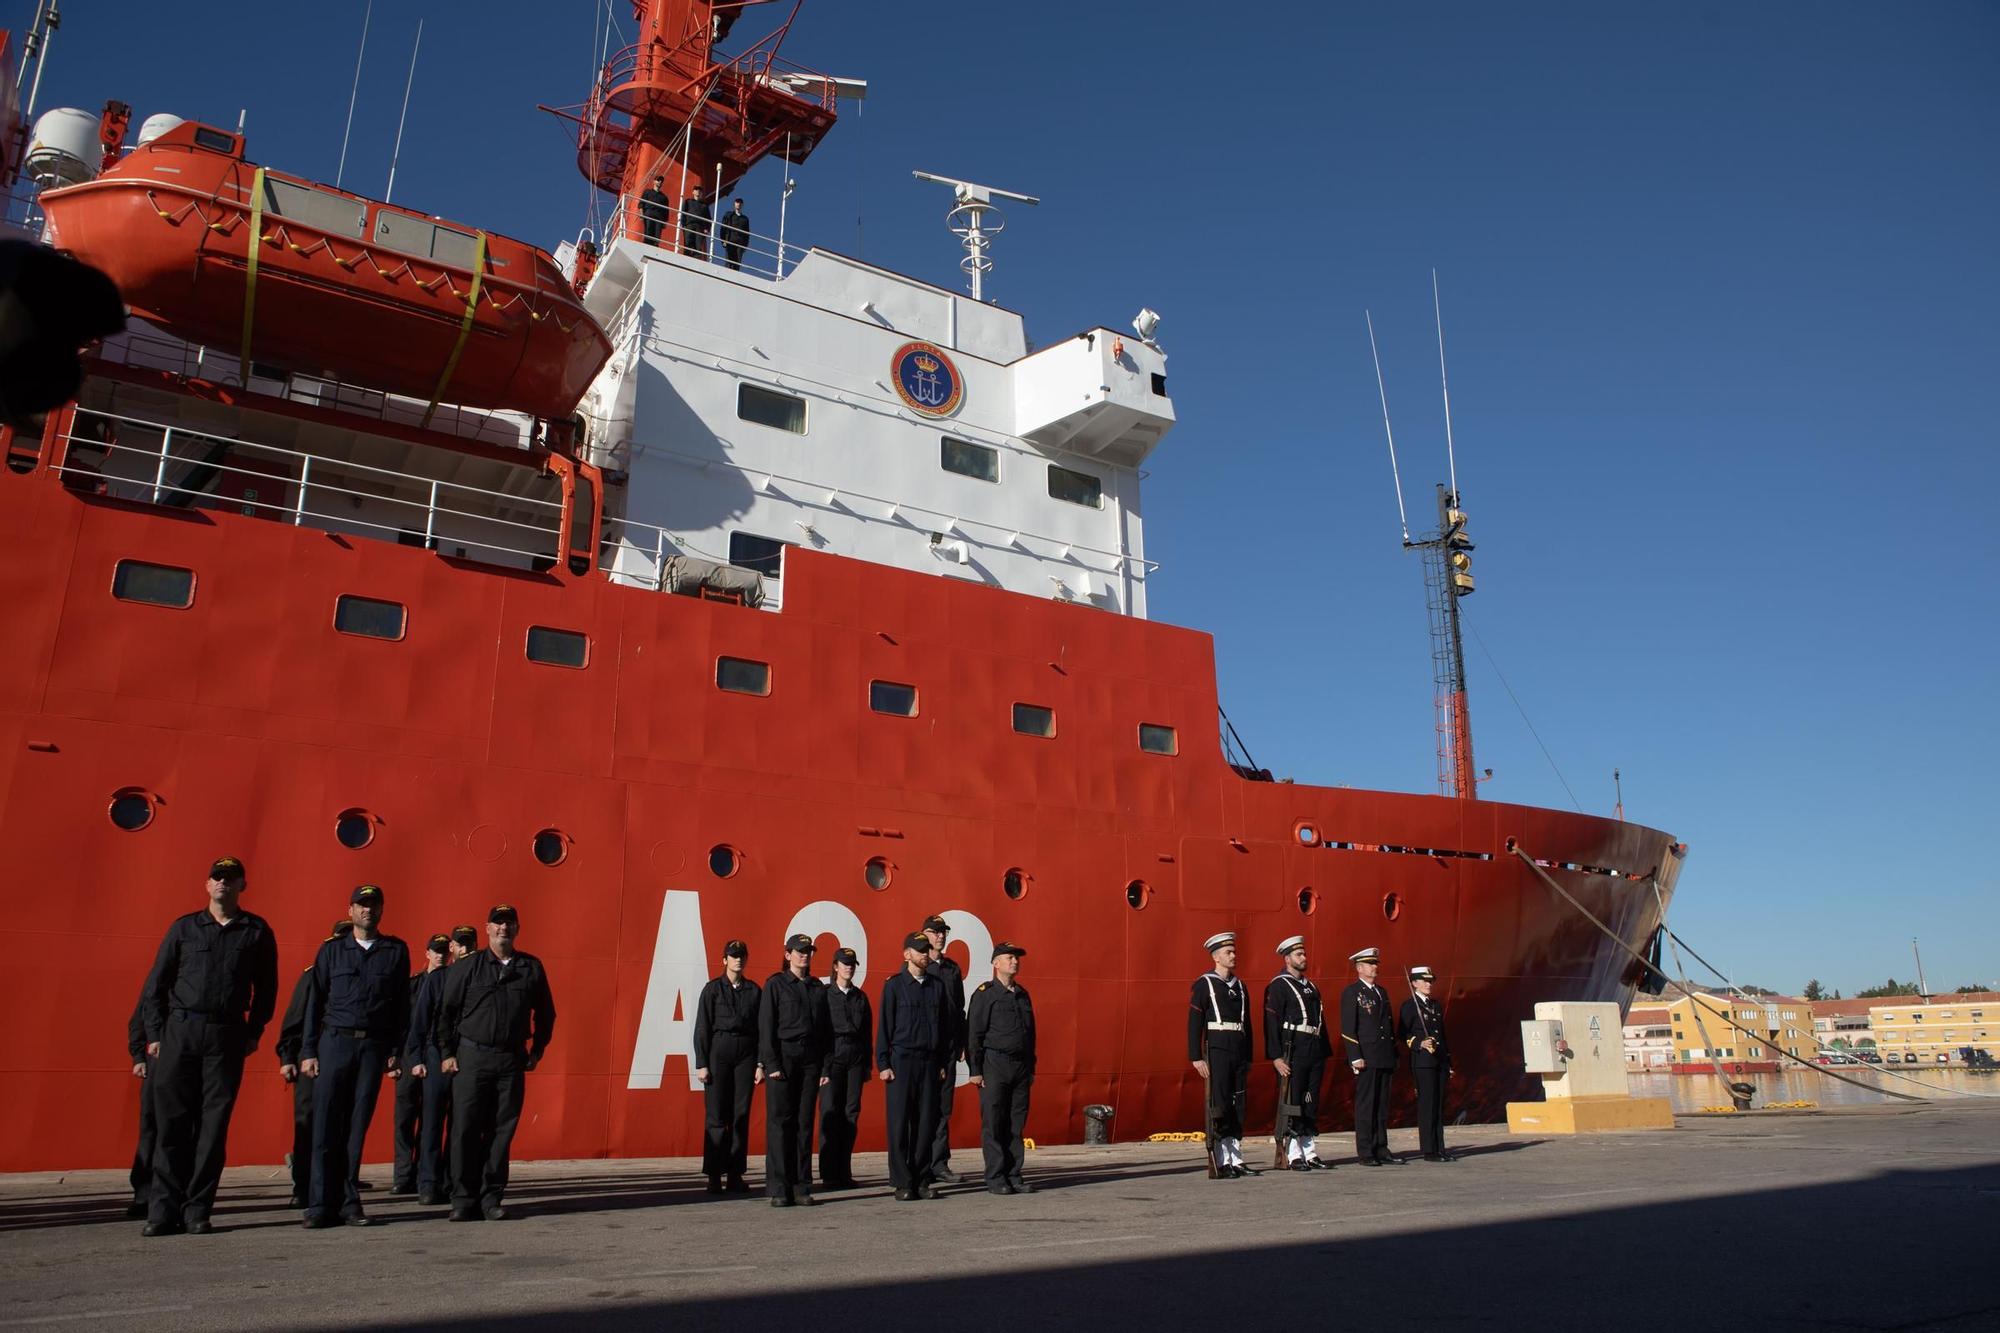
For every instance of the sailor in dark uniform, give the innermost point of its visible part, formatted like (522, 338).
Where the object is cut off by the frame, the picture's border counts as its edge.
(1296, 1045)
(423, 1066)
(913, 1056)
(357, 1018)
(945, 968)
(1219, 1047)
(793, 1032)
(1368, 1035)
(290, 1033)
(847, 1071)
(725, 1052)
(142, 1069)
(409, 1106)
(1000, 1046)
(1430, 1061)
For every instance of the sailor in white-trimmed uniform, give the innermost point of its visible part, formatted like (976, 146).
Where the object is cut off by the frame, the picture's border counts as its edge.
(1295, 1043)
(1219, 1046)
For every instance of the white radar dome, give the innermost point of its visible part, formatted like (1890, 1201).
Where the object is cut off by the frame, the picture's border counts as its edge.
(65, 149)
(155, 126)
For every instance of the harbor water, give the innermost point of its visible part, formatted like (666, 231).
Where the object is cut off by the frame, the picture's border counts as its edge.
(1693, 1092)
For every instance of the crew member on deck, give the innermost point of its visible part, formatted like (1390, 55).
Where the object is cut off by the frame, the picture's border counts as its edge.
(291, 1032)
(423, 1066)
(725, 1052)
(1368, 1036)
(695, 220)
(142, 1155)
(1219, 1047)
(1295, 1043)
(913, 1055)
(357, 1017)
(793, 1032)
(1430, 1061)
(1000, 1046)
(495, 1018)
(847, 1071)
(734, 233)
(409, 1107)
(211, 991)
(945, 968)
(655, 211)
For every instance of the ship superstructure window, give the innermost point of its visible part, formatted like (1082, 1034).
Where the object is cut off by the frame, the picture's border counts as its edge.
(768, 407)
(1078, 488)
(558, 647)
(740, 675)
(886, 696)
(1034, 720)
(369, 618)
(1156, 739)
(323, 210)
(214, 140)
(155, 585)
(968, 459)
(764, 555)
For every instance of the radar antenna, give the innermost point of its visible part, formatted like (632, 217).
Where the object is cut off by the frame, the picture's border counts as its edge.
(975, 219)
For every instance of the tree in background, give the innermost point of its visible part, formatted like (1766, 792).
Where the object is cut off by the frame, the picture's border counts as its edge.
(1814, 991)
(1892, 987)
(1973, 989)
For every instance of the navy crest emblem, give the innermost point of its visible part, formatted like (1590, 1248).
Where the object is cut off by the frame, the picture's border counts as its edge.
(926, 380)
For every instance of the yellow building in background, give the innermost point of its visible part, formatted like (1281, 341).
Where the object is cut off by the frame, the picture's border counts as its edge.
(1922, 1033)
(1781, 1025)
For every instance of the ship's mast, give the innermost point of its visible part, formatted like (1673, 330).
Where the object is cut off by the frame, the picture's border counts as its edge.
(1448, 577)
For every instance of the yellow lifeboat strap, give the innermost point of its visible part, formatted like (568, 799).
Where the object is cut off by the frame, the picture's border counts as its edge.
(464, 327)
(250, 273)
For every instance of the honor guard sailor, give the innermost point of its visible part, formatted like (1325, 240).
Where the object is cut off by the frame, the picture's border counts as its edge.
(1219, 1047)
(1368, 1035)
(1295, 1043)
(1000, 1045)
(1430, 1061)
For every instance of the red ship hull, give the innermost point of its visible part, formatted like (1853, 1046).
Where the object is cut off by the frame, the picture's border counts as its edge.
(253, 725)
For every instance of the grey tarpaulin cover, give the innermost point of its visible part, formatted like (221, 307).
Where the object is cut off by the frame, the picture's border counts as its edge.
(688, 575)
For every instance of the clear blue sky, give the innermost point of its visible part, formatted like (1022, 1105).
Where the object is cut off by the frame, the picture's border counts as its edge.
(1721, 294)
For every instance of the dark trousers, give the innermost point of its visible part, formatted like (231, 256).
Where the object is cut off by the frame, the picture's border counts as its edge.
(436, 1097)
(725, 1101)
(788, 1103)
(142, 1155)
(1003, 1115)
(1430, 1107)
(1228, 1081)
(350, 1079)
(486, 1096)
(1308, 1076)
(941, 1141)
(694, 241)
(409, 1122)
(840, 1119)
(913, 1118)
(302, 1137)
(732, 255)
(1371, 1112)
(196, 1078)
(649, 229)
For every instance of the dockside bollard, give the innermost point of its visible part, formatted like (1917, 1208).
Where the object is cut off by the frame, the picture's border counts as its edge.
(1097, 1123)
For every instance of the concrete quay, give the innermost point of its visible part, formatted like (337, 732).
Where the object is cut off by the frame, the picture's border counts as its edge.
(1560, 1233)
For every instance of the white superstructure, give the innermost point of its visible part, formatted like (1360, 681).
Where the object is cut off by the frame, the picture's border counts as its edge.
(743, 411)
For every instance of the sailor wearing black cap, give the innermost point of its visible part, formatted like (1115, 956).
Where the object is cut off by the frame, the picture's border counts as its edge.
(1000, 1046)
(423, 1063)
(1368, 1036)
(1430, 1061)
(409, 1107)
(913, 1049)
(847, 1069)
(1295, 1043)
(356, 1020)
(211, 991)
(793, 1032)
(945, 968)
(725, 1045)
(1219, 1047)
(291, 1033)
(495, 1019)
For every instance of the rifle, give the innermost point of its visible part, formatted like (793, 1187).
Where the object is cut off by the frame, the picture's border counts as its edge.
(1284, 1112)
(1208, 1121)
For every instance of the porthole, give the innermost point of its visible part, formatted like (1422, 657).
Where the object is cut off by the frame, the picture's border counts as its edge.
(1392, 906)
(551, 847)
(1014, 883)
(354, 828)
(1307, 834)
(1137, 894)
(1308, 901)
(131, 809)
(876, 873)
(724, 860)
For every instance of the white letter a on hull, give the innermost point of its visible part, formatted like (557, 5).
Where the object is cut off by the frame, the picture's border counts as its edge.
(680, 970)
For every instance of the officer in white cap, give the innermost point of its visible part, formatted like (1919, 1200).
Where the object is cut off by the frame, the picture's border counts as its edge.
(1219, 1047)
(1295, 1044)
(1430, 1061)
(1368, 1034)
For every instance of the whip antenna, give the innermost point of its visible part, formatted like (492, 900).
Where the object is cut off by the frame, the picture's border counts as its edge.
(1394, 472)
(353, 93)
(1451, 458)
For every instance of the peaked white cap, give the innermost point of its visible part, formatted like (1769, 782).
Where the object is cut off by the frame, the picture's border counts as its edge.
(1422, 972)
(1217, 940)
(1289, 943)
(1368, 955)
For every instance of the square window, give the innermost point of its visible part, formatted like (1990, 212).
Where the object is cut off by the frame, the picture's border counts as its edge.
(765, 555)
(886, 696)
(558, 647)
(1156, 739)
(768, 407)
(1078, 488)
(156, 585)
(369, 618)
(968, 459)
(740, 675)
(1034, 720)
(1159, 385)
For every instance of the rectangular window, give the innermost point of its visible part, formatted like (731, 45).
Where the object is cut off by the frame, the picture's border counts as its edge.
(214, 140)
(740, 675)
(1034, 720)
(768, 407)
(1159, 385)
(886, 696)
(369, 618)
(558, 647)
(1156, 739)
(765, 555)
(1078, 488)
(156, 585)
(968, 459)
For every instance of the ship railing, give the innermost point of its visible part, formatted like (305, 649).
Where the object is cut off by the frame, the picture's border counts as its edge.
(133, 459)
(763, 256)
(626, 537)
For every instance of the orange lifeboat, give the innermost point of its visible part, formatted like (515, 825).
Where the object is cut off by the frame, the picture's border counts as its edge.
(293, 274)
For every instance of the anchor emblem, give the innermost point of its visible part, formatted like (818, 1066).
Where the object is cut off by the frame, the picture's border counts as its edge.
(926, 380)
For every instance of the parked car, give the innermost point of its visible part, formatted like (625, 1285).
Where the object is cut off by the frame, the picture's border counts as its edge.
(1869, 1058)
(1894, 1058)
(1943, 1058)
